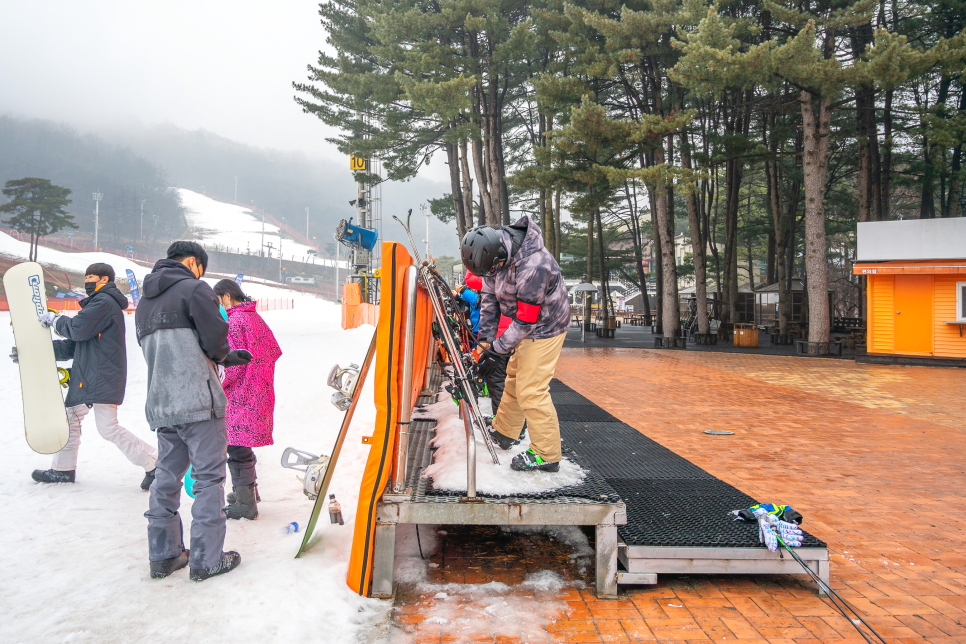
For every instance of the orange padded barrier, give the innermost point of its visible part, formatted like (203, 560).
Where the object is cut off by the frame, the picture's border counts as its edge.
(355, 312)
(389, 357)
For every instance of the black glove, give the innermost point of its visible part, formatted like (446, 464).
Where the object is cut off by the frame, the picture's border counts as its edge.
(237, 358)
(492, 363)
(14, 355)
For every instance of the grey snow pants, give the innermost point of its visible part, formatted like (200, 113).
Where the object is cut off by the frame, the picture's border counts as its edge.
(202, 445)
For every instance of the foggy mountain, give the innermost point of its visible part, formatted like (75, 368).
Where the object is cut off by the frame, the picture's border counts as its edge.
(130, 163)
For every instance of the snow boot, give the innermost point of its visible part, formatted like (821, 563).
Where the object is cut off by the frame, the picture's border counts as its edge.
(529, 461)
(245, 505)
(148, 479)
(53, 476)
(505, 442)
(229, 561)
(163, 568)
(230, 497)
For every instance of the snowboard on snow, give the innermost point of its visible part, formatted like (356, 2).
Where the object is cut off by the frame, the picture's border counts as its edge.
(44, 414)
(353, 400)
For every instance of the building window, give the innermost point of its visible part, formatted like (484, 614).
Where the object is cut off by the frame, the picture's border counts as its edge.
(961, 301)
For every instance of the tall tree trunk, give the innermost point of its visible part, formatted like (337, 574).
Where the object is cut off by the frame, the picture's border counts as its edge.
(955, 166)
(697, 244)
(602, 261)
(780, 233)
(452, 157)
(815, 128)
(885, 180)
(490, 217)
(467, 186)
(657, 260)
(556, 226)
(670, 317)
(751, 264)
(590, 268)
(732, 192)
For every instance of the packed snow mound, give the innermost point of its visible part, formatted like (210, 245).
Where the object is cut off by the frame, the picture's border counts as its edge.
(448, 470)
(237, 229)
(73, 262)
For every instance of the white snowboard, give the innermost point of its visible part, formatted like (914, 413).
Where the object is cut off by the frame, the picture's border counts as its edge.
(44, 415)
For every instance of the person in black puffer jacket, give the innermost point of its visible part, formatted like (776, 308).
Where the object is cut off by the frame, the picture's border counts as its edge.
(94, 339)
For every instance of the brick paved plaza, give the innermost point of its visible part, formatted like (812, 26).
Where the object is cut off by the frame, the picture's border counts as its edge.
(871, 455)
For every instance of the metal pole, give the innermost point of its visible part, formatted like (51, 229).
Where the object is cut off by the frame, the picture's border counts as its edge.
(337, 246)
(470, 451)
(97, 211)
(263, 229)
(406, 400)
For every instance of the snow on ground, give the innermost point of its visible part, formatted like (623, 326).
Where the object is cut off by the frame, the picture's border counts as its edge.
(238, 229)
(448, 470)
(74, 262)
(74, 557)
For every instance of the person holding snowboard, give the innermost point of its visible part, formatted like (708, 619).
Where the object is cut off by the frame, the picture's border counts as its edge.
(250, 390)
(521, 280)
(183, 338)
(94, 339)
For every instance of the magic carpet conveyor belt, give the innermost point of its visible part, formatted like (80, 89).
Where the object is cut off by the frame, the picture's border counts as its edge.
(677, 513)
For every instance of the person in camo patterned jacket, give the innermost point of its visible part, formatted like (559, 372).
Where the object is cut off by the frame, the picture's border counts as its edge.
(521, 280)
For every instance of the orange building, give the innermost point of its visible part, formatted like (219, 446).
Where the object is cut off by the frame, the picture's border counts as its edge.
(916, 296)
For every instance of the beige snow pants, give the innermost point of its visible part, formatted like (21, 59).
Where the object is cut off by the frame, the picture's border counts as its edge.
(526, 396)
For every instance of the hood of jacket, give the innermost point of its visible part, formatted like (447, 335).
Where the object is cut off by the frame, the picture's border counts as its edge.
(109, 290)
(166, 273)
(532, 241)
(244, 307)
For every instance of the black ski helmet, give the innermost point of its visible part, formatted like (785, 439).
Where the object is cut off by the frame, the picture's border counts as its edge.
(483, 251)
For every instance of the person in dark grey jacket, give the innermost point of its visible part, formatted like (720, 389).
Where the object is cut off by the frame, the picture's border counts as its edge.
(522, 281)
(94, 339)
(183, 337)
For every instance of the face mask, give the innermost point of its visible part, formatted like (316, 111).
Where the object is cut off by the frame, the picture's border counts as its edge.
(90, 287)
(224, 313)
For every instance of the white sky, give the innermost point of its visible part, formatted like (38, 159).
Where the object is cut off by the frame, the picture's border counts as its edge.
(223, 66)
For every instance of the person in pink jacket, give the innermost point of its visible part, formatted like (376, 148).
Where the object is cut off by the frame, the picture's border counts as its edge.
(250, 390)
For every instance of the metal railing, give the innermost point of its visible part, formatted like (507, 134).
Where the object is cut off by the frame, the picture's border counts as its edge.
(406, 400)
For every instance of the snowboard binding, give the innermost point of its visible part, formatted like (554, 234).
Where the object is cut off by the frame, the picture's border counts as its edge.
(343, 381)
(313, 466)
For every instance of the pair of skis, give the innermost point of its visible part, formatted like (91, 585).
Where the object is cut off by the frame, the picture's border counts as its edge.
(457, 338)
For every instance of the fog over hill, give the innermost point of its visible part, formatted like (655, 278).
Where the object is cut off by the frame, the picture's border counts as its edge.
(128, 163)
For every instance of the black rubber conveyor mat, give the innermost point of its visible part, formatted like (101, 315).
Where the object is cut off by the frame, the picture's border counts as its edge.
(670, 500)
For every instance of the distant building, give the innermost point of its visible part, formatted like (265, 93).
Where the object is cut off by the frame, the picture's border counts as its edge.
(916, 296)
(297, 279)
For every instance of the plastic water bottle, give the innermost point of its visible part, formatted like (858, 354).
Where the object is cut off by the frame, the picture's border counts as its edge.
(290, 528)
(335, 511)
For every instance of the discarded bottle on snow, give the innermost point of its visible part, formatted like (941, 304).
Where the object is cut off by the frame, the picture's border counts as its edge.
(290, 528)
(335, 511)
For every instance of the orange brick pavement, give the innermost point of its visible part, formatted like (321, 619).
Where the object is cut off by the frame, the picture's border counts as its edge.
(873, 456)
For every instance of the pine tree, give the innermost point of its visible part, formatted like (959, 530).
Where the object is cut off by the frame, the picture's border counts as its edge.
(37, 207)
